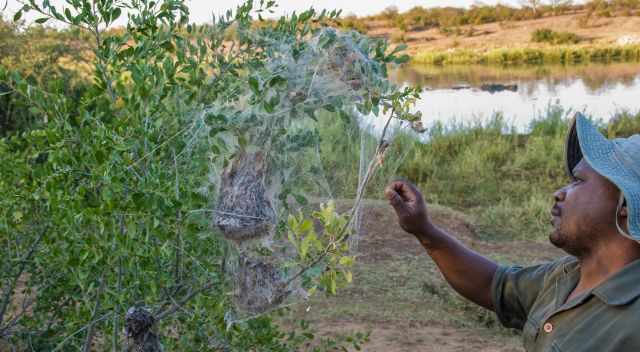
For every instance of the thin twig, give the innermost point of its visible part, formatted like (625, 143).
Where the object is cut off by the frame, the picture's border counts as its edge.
(6, 330)
(23, 264)
(85, 327)
(342, 235)
(158, 147)
(91, 332)
(116, 316)
(251, 317)
(238, 215)
(178, 305)
(105, 76)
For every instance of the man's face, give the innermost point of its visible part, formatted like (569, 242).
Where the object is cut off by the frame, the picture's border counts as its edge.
(584, 211)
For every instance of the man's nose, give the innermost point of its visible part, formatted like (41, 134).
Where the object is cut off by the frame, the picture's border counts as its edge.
(560, 194)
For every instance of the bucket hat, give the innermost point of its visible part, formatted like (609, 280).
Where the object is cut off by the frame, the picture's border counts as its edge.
(616, 159)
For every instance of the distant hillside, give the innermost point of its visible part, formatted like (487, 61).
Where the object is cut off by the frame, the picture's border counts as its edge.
(517, 34)
(599, 22)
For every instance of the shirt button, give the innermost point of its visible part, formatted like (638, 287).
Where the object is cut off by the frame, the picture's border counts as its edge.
(548, 327)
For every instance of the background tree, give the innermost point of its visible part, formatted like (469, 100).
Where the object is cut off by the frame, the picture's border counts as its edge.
(560, 6)
(534, 5)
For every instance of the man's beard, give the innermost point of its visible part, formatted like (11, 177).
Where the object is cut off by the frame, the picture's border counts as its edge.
(567, 243)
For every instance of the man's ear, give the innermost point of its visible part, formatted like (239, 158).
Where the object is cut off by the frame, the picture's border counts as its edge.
(623, 211)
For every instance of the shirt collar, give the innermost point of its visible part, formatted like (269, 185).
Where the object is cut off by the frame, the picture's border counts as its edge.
(621, 288)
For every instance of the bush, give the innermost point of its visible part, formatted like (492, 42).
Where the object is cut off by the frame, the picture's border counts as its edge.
(546, 35)
(354, 23)
(440, 17)
(109, 196)
(398, 37)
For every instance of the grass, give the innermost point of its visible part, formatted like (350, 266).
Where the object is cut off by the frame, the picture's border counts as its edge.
(398, 286)
(531, 56)
(485, 183)
(502, 179)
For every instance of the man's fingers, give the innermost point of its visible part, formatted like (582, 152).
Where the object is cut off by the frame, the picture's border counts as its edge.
(394, 197)
(406, 190)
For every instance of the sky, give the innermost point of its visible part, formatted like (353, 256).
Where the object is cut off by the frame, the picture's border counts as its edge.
(201, 10)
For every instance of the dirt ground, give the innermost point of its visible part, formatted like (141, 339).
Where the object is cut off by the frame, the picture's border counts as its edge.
(597, 30)
(400, 297)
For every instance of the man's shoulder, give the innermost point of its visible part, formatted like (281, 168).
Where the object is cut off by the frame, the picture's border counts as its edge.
(556, 268)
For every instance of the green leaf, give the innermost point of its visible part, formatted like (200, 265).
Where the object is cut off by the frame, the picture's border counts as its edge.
(42, 20)
(254, 84)
(346, 261)
(306, 243)
(17, 16)
(68, 14)
(292, 239)
(348, 276)
(277, 80)
(168, 46)
(330, 108)
(17, 216)
(402, 59)
(333, 285)
(115, 14)
(400, 48)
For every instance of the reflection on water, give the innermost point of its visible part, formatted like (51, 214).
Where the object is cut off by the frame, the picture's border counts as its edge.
(471, 93)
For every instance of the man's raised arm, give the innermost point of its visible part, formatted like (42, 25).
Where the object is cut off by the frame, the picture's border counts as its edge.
(467, 272)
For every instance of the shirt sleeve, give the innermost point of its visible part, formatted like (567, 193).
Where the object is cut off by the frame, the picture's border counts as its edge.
(515, 289)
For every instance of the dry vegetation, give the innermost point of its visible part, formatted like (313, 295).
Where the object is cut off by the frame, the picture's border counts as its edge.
(482, 28)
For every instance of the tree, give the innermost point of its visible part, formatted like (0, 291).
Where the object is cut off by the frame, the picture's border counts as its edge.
(560, 6)
(108, 224)
(533, 4)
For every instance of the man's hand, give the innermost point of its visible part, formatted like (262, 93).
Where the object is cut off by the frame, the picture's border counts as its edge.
(410, 207)
(468, 272)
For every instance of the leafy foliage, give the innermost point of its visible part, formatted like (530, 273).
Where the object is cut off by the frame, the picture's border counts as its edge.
(546, 35)
(110, 182)
(335, 272)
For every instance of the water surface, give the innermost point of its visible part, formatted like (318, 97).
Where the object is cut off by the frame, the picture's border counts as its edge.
(520, 94)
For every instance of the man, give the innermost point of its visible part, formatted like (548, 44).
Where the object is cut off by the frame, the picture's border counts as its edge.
(587, 301)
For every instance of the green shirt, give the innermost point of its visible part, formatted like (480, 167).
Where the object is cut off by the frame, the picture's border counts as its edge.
(532, 299)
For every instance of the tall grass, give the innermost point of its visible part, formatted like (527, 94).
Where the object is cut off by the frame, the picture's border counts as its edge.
(532, 56)
(503, 179)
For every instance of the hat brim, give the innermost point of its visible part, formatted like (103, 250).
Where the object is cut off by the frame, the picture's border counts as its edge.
(585, 141)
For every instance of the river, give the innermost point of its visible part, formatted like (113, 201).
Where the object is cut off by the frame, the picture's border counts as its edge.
(520, 94)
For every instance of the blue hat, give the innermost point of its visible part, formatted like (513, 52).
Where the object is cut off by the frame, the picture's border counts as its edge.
(617, 159)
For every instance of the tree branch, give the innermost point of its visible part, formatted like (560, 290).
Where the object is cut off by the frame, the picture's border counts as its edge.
(90, 331)
(6, 300)
(178, 305)
(85, 327)
(342, 235)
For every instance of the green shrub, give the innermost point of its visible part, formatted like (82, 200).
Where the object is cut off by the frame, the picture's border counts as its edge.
(354, 23)
(546, 35)
(109, 196)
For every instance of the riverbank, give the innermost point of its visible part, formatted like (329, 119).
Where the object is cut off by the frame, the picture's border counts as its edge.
(586, 39)
(570, 55)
